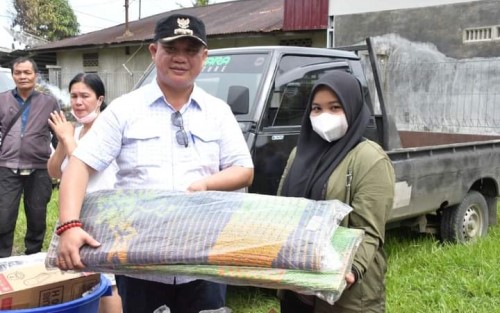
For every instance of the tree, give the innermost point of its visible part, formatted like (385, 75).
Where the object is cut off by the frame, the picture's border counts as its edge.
(48, 19)
(196, 3)
(200, 3)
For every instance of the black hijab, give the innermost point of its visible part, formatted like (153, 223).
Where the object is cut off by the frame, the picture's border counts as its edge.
(317, 158)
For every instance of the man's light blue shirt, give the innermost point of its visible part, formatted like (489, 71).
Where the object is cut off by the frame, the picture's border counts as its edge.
(137, 131)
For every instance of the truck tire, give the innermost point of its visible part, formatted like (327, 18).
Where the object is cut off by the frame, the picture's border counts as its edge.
(466, 221)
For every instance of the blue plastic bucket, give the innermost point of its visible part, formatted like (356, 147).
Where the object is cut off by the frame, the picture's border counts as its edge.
(86, 304)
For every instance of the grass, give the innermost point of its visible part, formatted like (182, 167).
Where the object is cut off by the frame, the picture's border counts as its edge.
(426, 276)
(423, 276)
(52, 216)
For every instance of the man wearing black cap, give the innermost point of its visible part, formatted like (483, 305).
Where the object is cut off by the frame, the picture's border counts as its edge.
(169, 134)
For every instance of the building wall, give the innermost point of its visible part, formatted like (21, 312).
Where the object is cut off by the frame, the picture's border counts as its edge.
(117, 79)
(342, 7)
(442, 26)
(317, 38)
(423, 90)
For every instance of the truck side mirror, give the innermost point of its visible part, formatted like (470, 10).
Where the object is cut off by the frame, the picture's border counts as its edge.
(238, 98)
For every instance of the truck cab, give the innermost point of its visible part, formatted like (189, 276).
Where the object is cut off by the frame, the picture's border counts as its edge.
(267, 89)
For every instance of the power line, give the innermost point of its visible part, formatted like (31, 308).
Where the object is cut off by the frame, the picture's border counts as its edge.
(97, 3)
(95, 16)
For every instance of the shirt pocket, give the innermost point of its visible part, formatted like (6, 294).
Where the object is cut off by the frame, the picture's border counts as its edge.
(142, 146)
(206, 143)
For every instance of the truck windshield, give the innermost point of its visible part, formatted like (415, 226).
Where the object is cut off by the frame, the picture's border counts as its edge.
(234, 78)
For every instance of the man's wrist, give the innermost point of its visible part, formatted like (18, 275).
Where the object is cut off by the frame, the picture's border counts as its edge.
(67, 225)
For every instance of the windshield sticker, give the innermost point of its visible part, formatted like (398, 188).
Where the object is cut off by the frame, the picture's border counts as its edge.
(259, 61)
(216, 64)
(235, 63)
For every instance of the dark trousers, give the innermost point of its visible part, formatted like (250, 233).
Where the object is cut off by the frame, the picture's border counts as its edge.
(144, 296)
(37, 190)
(290, 303)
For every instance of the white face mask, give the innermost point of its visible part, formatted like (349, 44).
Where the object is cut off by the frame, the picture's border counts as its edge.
(328, 126)
(89, 118)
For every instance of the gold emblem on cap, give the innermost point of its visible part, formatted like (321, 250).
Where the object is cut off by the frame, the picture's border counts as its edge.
(183, 29)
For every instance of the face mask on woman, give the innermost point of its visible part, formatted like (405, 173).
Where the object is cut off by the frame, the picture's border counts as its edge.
(328, 126)
(89, 118)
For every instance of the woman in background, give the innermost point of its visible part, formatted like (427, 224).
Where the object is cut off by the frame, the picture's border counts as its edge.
(87, 101)
(332, 160)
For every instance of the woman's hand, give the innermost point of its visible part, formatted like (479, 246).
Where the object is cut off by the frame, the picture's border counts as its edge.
(350, 279)
(70, 242)
(61, 127)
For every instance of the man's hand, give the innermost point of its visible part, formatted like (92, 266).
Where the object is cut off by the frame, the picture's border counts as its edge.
(199, 185)
(70, 243)
(229, 179)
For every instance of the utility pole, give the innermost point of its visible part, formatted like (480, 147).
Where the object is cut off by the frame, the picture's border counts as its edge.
(139, 9)
(127, 33)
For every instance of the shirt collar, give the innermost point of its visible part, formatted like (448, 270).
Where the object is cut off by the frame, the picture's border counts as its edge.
(198, 96)
(15, 92)
(153, 93)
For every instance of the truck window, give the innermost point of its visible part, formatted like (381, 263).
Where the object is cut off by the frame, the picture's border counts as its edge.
(222, 75)
(287, 104)
(290, 103)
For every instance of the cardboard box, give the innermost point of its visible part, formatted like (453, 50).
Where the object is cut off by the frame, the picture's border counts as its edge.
(32, 285)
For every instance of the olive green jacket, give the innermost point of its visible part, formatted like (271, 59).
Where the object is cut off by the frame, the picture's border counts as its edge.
(369, 172)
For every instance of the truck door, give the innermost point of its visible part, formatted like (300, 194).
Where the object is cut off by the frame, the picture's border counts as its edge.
(281, 120)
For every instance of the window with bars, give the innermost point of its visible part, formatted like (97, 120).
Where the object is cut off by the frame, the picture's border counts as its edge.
(481, 34)
(90, 60)
(299, 42)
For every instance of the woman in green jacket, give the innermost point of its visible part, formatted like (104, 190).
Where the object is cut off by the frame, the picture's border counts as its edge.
(332, 160)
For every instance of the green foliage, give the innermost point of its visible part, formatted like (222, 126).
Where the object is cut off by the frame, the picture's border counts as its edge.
(200, 3)
(48, 19)
(196, 3)
(423, 275)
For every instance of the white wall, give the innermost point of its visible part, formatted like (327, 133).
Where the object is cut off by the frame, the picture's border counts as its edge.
(342, 7)
(117, 79)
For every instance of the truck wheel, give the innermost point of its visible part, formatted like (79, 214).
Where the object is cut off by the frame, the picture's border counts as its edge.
(466, 221)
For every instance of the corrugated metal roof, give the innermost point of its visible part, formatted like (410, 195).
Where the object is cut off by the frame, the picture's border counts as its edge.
(235, 17)
(305, 14)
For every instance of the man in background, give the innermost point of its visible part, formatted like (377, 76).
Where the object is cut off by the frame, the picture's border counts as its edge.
(24, 151)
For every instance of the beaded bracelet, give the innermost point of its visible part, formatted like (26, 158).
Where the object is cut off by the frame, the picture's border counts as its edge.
(67, 225)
